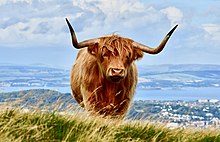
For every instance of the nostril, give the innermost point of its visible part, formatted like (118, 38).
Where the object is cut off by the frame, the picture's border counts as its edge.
(118, 71)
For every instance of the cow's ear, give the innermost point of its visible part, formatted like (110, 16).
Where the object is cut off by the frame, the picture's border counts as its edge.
(137, 54)
(93, 49)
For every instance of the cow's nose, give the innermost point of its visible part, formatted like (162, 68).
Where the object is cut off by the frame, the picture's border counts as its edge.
(117, 72)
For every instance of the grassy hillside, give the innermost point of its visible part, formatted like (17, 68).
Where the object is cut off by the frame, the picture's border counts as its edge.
(17, 125)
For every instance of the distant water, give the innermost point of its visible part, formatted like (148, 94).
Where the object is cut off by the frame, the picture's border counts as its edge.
(186, 94)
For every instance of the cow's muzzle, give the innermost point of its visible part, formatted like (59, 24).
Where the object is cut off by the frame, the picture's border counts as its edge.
(116, 74)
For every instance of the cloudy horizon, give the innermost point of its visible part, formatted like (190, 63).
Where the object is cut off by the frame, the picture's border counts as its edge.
(35, 31)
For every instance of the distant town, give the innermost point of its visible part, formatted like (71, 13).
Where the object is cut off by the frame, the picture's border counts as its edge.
(200, 113)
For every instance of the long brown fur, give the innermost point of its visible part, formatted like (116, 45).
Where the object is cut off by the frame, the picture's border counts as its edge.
(90, 86)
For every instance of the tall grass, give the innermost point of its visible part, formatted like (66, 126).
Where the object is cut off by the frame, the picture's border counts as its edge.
(47, 120)
(31, 126)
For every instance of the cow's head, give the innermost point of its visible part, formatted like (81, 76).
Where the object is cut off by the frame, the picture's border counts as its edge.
(115, 54)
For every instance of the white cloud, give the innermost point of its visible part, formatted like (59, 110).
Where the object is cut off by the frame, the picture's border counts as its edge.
(36, 22)
(118, 7)
(35, 31)
(42, 22)
(128, 13)
(213, 31)
(211, 28)
(173, 14)
(130, 18)
(2, 2)
(43, 19)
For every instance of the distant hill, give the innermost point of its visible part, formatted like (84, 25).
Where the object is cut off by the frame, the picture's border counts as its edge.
(176, 68)
(179, 76)
(39, 98)
(150, 76)
(33, 76)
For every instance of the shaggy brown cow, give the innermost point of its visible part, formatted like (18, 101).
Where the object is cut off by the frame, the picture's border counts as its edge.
(104, 76)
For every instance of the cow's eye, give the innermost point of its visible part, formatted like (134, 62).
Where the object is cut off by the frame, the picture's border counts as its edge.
(128, 57)
(106, 53)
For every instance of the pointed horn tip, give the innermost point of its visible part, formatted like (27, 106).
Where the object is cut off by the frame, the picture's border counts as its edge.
(67, 20)
(171, 31)
(175, 27)
(69, 25)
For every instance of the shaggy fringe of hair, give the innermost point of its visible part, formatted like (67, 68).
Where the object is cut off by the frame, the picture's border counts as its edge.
(116, 42)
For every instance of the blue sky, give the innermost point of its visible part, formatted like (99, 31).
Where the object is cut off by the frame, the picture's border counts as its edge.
(34, 31)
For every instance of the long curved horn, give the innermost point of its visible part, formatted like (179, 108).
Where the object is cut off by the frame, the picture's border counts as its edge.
(82, 44)
(158, 49)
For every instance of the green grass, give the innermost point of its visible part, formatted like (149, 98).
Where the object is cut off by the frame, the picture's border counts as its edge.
(18, 126)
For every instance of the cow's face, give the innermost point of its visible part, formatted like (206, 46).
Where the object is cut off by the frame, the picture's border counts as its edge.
(114, 56)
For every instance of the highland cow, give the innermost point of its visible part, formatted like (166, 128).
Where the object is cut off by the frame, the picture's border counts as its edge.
(104, 75)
